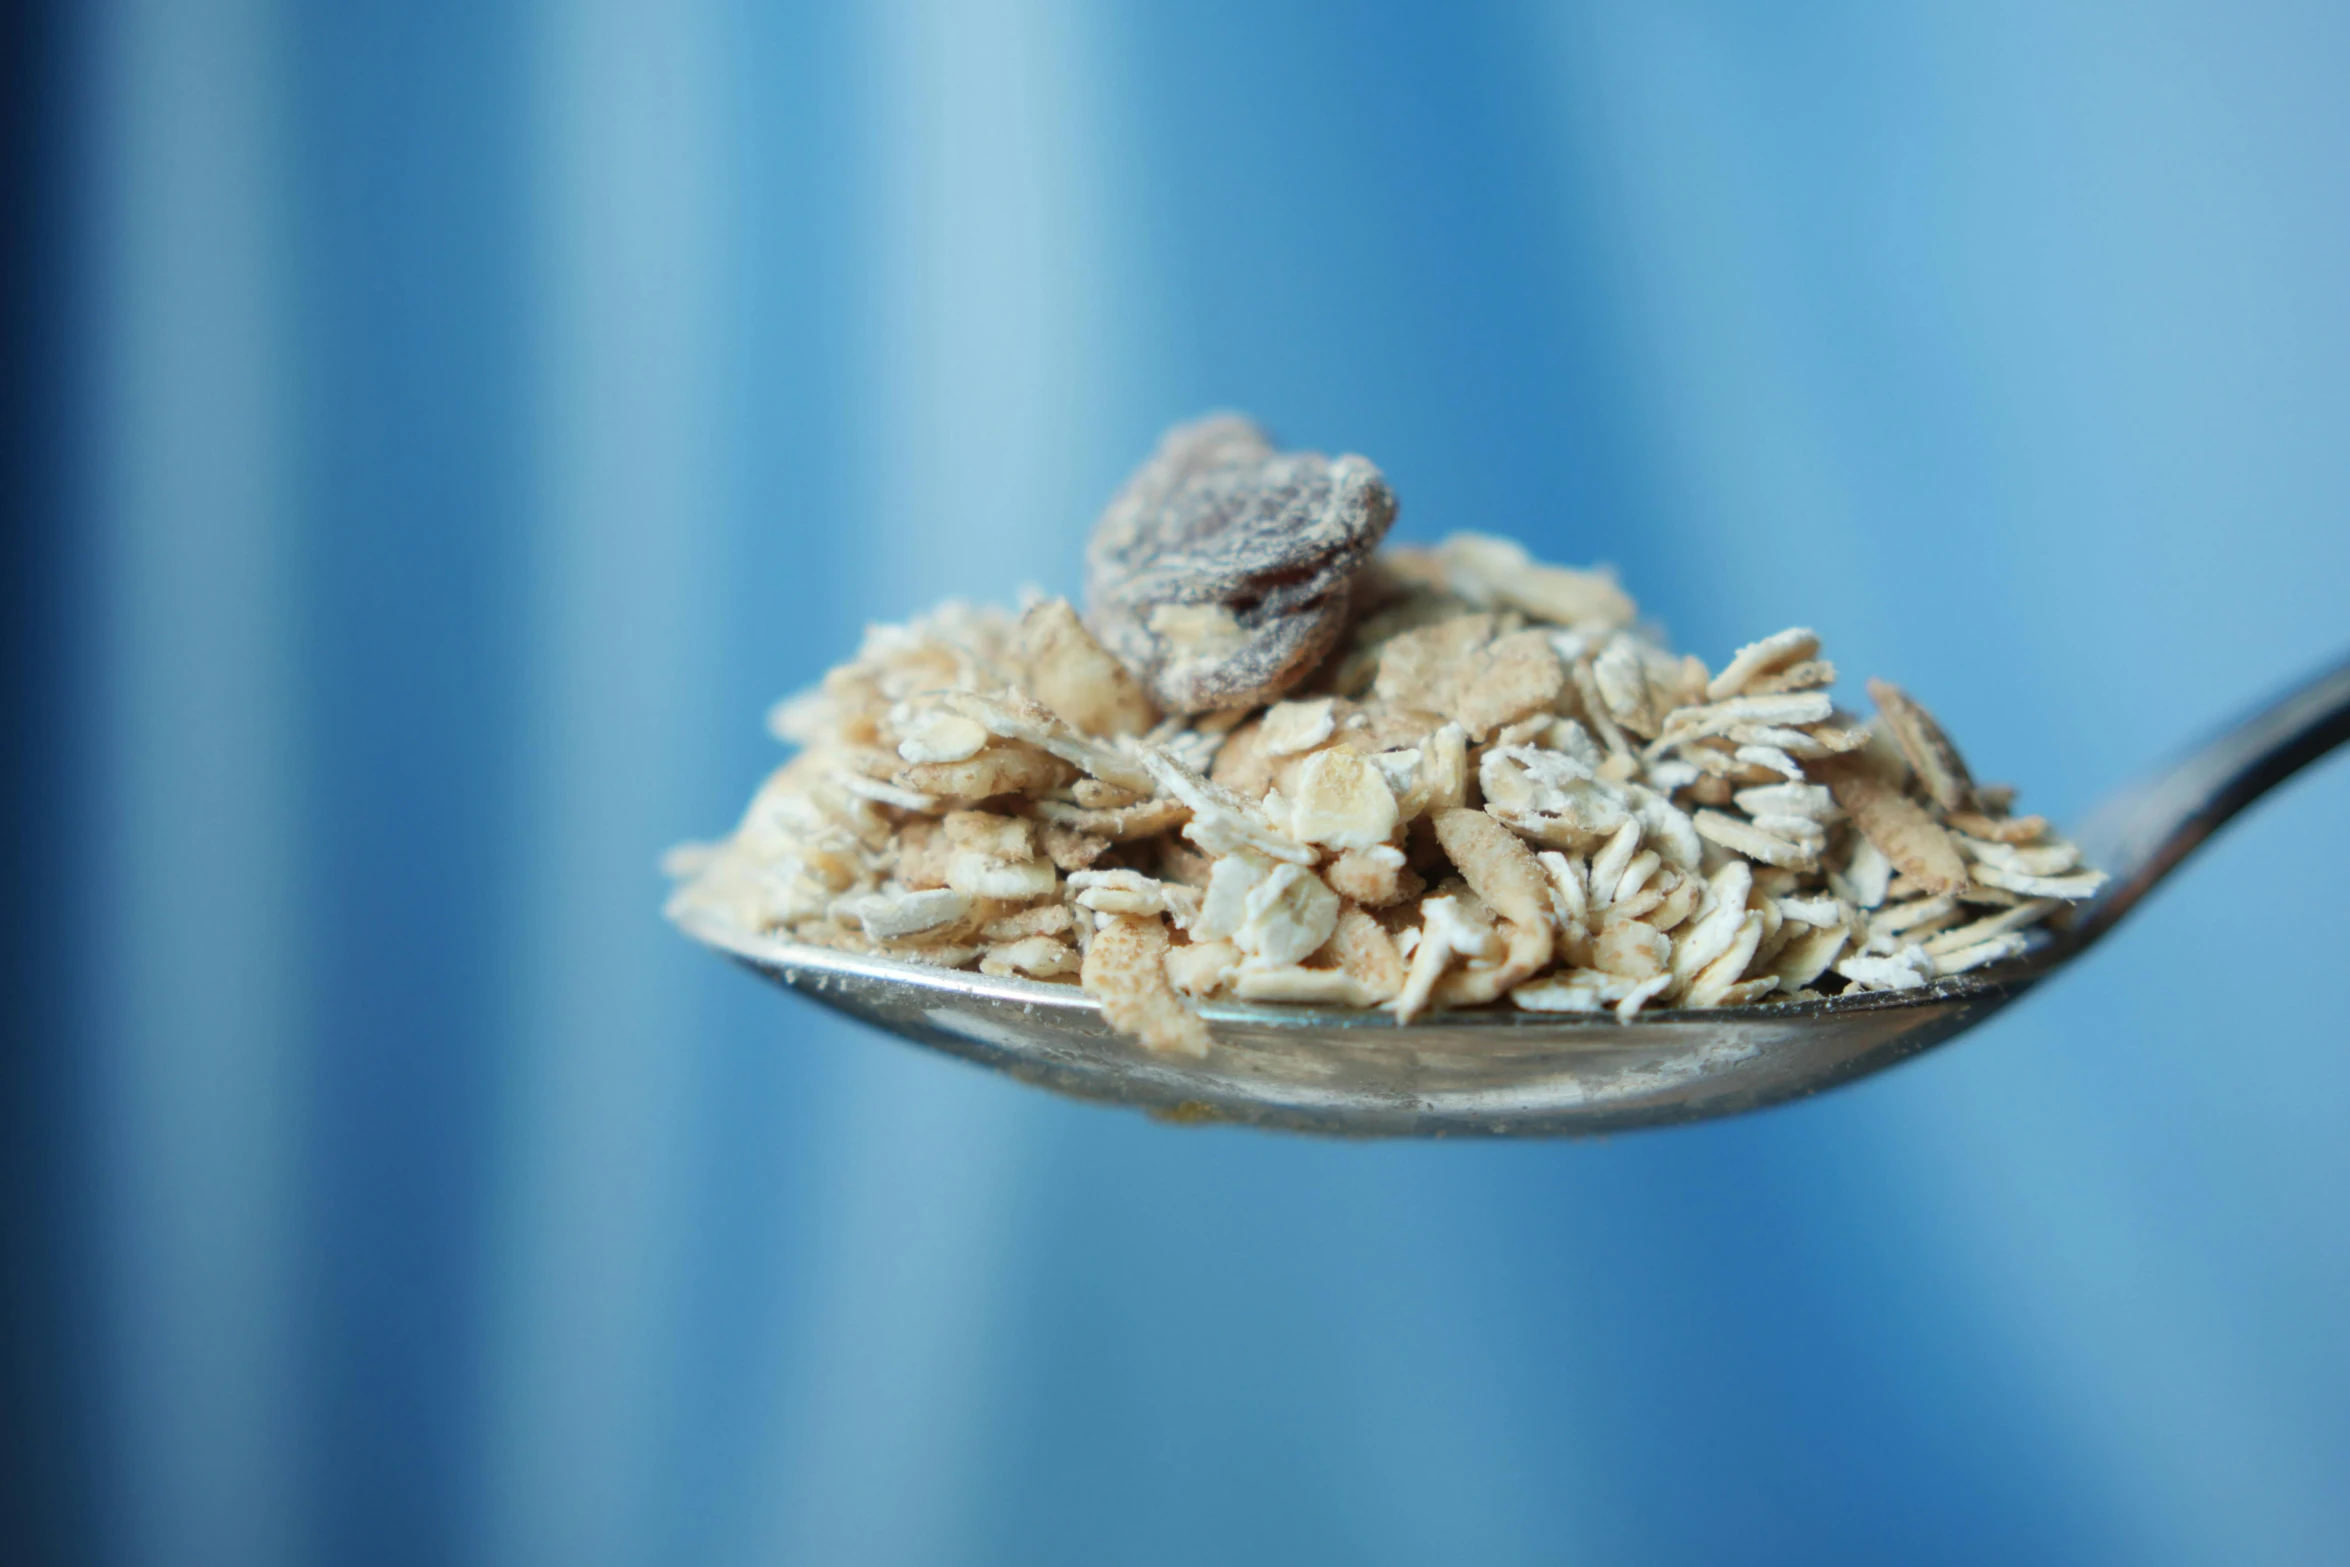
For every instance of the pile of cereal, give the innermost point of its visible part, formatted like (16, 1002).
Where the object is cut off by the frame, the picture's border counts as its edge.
(1273, 763)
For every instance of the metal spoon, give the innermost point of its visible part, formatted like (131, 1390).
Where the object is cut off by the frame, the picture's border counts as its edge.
(1500, 1072)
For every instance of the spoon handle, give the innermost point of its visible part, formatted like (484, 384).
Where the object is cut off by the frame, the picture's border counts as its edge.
(2142, 834)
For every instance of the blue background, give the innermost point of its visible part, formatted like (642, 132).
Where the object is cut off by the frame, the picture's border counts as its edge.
(468, 416)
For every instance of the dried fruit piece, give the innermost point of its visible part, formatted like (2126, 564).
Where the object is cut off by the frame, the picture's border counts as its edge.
(1220, 573)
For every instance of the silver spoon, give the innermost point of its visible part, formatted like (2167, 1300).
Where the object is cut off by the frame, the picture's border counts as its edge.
(1500, 1072)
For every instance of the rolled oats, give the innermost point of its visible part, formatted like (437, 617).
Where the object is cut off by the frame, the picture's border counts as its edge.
(1291, 727)
(1342, 802)
(1450, 928)
(1076, 677)
(1606, 824)
(1202, 968)
(1037, 957)
(1490, 572)
(1905, 969)
(1376, 877)
(1756, 659)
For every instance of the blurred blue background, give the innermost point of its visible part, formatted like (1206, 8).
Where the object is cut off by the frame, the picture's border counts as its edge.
(443, 427)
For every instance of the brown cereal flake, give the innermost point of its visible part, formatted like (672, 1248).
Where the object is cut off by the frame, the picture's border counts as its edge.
(1125, 970)
(1497, 864)
(1070, 849)
(1939, 767)
(1362, 947)
(1901, 830)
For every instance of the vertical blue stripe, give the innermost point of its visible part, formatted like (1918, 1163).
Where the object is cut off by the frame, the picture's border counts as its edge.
(410, 177)
(198, 938)
(47, 1418)
(620, 642)
(783, 541)
(993, 362)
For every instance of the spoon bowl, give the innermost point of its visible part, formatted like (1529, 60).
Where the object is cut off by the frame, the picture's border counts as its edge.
(1501, 1072)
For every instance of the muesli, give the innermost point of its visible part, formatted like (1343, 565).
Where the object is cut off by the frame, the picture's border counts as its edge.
(1274, 762)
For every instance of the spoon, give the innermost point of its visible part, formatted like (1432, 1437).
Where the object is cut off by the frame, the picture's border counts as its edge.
(1501, 1072)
